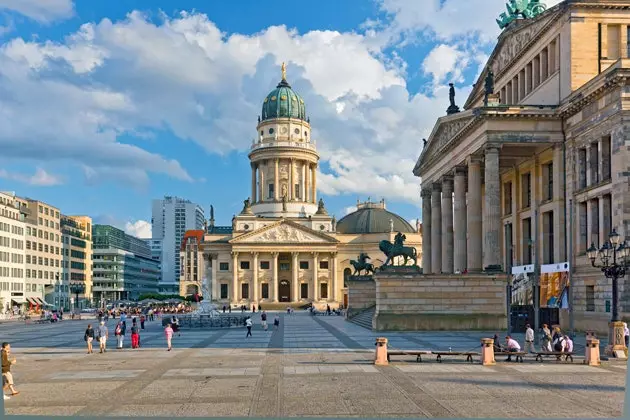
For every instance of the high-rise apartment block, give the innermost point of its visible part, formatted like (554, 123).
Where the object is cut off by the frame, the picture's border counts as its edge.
(76, 233)
(171, 218)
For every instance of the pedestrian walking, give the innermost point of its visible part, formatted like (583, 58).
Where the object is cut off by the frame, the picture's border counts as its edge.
(546, 338)
(529, 339)
(7, 376)
(168, 332)
(120, 335)
(229, 309)
(248, 324)
(223, 308)
(276, 322)
(102, 336)
(135, 336)
(263, 320)
(568, 344)
(89, 337)
(142, 319)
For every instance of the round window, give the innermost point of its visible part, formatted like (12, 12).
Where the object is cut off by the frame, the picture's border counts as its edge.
(297, 131)
(271, 131)
(246, 227)
(322, 227)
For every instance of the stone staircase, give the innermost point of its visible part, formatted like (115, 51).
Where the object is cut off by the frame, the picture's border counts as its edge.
(364, 319)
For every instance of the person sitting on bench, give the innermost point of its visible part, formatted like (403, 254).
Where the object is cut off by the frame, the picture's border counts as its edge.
(558, 342)
(512, 346)
(497, 345)
(569, 344)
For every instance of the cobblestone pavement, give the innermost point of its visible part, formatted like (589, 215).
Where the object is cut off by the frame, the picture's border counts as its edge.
(311, 366)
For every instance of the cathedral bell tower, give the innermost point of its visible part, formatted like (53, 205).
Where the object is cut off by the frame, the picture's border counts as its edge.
(283, 157)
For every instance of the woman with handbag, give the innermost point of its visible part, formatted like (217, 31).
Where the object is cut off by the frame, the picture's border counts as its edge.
(89, 337)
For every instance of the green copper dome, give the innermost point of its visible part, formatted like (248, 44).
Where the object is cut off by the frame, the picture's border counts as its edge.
(373, 220)
(283, 102)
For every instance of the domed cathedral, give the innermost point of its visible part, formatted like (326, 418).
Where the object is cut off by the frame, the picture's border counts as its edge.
(284, 248)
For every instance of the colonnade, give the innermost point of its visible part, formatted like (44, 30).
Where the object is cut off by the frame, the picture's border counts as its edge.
(456, 236)
(307, 180)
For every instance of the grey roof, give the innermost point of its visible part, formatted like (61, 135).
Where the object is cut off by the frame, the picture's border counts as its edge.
(372, 220)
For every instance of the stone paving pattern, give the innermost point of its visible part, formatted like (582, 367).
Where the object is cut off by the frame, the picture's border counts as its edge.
(311, 366)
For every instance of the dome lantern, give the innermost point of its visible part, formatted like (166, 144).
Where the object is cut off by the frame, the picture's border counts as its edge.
(283, 102)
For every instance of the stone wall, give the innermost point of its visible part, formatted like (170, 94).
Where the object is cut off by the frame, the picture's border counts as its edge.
(439, 302)
(361, 294)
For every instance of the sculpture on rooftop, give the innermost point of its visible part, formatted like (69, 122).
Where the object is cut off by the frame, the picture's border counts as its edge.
(398, 249)
(452, 109)
(523, 9)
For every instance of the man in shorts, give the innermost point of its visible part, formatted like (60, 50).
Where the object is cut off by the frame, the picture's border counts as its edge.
(7, 377)
(102, 334)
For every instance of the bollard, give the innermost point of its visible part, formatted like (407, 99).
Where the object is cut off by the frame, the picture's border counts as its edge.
(487, 352)
(380, 358)
(591, 357)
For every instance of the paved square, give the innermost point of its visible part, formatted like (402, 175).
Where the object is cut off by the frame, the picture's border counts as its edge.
(311, 366)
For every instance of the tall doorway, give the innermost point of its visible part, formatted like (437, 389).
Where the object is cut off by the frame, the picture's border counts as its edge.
(284, 290)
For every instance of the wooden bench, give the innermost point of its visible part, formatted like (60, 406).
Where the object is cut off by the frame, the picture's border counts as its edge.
(557, 354)
(518, 354)
(417, 353)
(469, 355)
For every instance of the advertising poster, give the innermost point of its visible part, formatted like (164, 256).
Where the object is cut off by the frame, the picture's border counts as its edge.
(522, 289)
(553, 289)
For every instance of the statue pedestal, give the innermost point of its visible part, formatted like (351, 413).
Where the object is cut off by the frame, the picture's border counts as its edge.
(453, 109)
(616, 344)
(403, 269)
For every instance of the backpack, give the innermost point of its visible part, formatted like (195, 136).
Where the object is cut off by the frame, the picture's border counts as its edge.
(118, 330)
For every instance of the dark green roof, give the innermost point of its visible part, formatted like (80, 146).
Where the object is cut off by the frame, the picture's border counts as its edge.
(283, 102)
(372, 220)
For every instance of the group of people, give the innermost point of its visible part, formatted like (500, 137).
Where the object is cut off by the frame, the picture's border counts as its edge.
(551, 342)
(102, 333)
(263, 323)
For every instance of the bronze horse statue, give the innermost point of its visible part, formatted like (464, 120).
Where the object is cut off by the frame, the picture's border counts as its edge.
(397, 249)
(361, 265)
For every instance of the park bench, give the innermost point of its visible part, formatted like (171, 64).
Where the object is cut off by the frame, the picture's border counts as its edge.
(559, 356)
(417, 353)
(469, 355)
(518, 354)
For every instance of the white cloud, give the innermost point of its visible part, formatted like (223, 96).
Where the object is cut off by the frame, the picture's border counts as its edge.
(445, 60)
(139, 228)
(40, 178)
(348, 210)
(40, 10)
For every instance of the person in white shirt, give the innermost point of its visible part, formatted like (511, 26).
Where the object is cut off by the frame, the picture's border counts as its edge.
(568, 344)
(529, 339)
(511, 346)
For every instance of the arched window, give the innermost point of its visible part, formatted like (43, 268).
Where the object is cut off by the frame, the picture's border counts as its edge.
(191, 289)
(346, 273)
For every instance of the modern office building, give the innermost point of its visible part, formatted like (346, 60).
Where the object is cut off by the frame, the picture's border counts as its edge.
(76, 234)
(12, 253)
(122, 266)
(43, 253)
(171, 218)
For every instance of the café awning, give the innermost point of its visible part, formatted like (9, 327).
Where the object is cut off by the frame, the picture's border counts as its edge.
(18, 299)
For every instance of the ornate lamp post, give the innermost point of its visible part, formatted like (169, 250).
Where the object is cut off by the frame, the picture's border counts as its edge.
(77, 288)
(615, 260)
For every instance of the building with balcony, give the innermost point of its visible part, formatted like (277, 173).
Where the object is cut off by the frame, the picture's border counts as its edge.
(536, 167)
(122, 267)
(76, 235)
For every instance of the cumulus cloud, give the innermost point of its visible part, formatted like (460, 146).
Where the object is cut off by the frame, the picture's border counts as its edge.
(445, 60)
(40, 178)
(40, 10)
(139, 229)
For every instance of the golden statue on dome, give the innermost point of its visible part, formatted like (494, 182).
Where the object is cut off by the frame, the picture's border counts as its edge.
(284, 71)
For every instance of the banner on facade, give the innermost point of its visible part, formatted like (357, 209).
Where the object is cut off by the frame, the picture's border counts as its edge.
(522, 289)
(554, 287)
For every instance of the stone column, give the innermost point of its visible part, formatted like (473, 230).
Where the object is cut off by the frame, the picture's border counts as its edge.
(436, 228)
(492, 208)
(307, 183)
(426, 230)
(253, 183)
(291, 188)
(255, 295)
(276, 180)
(294, 280)
(315, 276)
(473, 216)
(261, 184)
(214, 261)
(314, 195)
(335, 286)
(459, 220)
(447, 224)
(235, 277)
(275, 292)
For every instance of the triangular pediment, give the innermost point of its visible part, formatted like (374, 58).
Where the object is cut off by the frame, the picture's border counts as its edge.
(514, 41)
(445, 132)
(284, 232)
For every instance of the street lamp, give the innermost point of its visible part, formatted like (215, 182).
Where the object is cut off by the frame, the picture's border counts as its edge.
(76, 289)
(615, 260)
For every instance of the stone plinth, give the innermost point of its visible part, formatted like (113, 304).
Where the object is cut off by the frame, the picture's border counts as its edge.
(487, 352)
(380, 358)
(415, 302)
(616, 343)
(591, 357)
(361, 294)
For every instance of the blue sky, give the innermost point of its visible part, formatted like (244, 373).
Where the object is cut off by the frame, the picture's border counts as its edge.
(106, 105)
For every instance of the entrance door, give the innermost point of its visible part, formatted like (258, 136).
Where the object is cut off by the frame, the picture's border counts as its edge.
(345, 300)
(284, 291)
